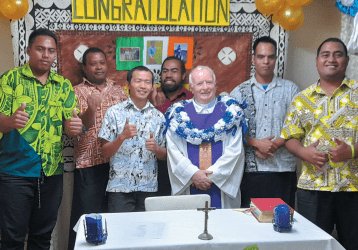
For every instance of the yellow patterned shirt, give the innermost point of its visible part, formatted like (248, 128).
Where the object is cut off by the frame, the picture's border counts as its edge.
(48, 106)
(314, 115)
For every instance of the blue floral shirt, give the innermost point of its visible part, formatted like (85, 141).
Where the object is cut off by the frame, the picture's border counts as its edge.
(133, 168)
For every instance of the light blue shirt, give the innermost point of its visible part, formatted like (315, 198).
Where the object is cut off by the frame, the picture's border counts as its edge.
(133, 168)
(271, 106)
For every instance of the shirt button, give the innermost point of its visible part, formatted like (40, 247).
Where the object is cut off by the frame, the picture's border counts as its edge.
(264, 129)
(266, 105)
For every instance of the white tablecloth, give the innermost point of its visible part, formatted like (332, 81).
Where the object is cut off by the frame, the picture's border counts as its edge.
(180, 230)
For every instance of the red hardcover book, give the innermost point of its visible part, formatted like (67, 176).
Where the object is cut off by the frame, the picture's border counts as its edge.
(262, 208)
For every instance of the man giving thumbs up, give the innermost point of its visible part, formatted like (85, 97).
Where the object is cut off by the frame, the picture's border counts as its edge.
(36, 106)
(132, 137)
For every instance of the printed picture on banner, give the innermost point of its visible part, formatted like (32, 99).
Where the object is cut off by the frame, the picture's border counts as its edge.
(154, 52)
(181, 51)
(129, 54)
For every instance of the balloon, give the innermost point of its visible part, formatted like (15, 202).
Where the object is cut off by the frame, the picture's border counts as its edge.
(2, 15)
(299, 2)
(268, 7)
(291, 17)
(275, 19)
(14, 9)
(294, 2)
(306, 2)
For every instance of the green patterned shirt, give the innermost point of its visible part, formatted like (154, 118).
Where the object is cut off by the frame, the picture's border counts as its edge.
(48, 106)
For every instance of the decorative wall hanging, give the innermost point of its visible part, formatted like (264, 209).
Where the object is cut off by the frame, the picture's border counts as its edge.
(56, 15)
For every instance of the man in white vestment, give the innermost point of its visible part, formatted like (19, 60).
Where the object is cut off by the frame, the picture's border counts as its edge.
(204, 142)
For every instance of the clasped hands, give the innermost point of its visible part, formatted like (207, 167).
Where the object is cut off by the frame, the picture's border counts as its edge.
(201, 180)
(266, 147)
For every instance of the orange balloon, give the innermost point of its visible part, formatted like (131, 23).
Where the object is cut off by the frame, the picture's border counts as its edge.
(14, 9)
(275, 19)
(306, 2)
(294, 2)
(291, 17)
(299, 2)
(2, 15)
(268, 7)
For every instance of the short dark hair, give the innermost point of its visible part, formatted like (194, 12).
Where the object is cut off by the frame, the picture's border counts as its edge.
(265, 39)
(332, 39)
(91, 50)
(182, 63)
(41, 32)
(139, 68)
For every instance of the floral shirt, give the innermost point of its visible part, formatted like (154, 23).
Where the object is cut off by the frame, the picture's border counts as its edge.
(87, 150)
(48, 106)
(133, 168)
(315, 116)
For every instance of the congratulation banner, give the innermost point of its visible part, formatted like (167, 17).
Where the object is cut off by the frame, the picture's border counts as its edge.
(167, 12)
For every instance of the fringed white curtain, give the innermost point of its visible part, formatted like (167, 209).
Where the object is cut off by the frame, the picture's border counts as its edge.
(347, 26)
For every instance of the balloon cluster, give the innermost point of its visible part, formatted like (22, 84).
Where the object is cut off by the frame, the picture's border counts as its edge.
(288, 13)
(13, 9)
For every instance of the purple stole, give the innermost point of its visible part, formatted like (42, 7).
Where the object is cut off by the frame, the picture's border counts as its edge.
(205, 121)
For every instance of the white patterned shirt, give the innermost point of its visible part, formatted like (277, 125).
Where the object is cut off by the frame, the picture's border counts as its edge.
(133, 168)
(271, 106)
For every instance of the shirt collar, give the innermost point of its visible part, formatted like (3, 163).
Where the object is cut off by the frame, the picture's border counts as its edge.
(272, 84)
(182, 93)
(130, 104)
(200, 107)
(52, 76)
(86, 81)
(317, 89)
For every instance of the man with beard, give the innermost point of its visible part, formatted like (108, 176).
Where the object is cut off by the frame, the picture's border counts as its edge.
(172, 86)
(95, 95)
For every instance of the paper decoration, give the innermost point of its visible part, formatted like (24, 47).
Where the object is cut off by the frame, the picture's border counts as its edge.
(129, 52)
(155, 51)
(182, 47)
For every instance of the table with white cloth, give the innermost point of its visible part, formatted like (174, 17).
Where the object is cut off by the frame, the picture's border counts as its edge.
(179, 229)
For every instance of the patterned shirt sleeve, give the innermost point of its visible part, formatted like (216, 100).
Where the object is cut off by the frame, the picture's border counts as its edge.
(293, 127)
(109, 129)
(160, 139)
(6, 92)
(71, 100)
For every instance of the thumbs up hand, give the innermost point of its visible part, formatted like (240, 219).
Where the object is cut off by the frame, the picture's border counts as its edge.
(316, 157)
(150, 143)
(129, 131)
(75, 125)
(20, 118)
(341, 153)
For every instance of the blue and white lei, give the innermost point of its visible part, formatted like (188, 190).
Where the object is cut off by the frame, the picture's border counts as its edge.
(178, 121)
